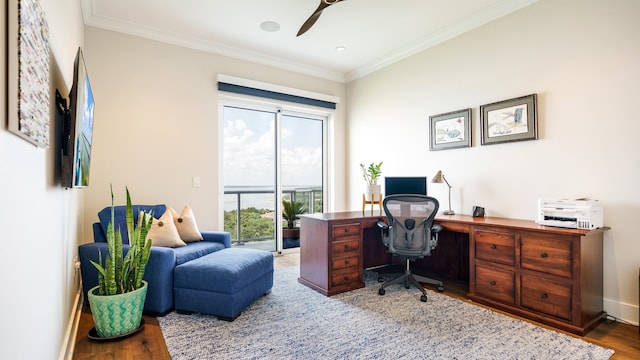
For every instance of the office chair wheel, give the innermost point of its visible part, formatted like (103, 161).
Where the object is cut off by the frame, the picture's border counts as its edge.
(423, 298)
(440, 288)
(381, 291)
(380, 279)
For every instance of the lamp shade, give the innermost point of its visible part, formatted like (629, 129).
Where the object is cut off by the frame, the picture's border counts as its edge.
(437, 179)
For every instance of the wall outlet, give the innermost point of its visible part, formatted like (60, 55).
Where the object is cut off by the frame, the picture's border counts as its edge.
(196, 181)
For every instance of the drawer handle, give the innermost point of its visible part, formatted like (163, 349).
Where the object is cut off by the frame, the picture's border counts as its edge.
(543, 296)
(346, 278)
(544, 255)
(492, 282)
(346, 230)
(346, 262)
(493, 246)
(347, 248)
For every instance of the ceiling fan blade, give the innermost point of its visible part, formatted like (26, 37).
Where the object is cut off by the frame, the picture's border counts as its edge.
(314, 17)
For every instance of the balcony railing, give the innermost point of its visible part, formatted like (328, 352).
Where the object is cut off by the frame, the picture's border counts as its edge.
(250, 211)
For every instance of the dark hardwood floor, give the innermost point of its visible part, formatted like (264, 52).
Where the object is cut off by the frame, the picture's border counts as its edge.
(149, 343)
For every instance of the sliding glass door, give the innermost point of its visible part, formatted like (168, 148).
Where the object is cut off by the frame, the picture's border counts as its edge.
(270, 155)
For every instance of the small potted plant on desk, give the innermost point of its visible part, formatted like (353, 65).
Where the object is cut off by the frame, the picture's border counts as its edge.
(291, 233)
(118, 300)
(371, 174)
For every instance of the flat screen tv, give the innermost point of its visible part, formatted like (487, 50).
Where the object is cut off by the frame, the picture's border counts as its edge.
(405, 185)
(78, 130)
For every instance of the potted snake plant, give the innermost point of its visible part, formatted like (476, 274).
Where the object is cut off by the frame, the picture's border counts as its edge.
(118, 300)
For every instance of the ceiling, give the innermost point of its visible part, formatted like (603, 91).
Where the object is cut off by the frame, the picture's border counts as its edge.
(374, 33)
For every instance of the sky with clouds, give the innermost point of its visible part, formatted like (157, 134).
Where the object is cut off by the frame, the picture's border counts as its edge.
(249, 149)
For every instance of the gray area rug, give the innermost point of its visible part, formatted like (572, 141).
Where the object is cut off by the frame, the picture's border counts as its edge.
(295, 322)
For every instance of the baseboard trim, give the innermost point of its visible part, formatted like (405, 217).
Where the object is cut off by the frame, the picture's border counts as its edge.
(69, 344)
(625, 312)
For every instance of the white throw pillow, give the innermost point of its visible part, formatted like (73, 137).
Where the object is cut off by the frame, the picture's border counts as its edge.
(163, 232)
(186, 225)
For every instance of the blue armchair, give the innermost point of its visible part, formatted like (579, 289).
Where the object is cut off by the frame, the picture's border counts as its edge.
(162, 261)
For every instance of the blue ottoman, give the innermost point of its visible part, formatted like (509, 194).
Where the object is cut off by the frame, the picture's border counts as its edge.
(223, 283)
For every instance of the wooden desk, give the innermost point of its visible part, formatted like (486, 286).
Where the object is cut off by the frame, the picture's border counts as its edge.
(547, 274)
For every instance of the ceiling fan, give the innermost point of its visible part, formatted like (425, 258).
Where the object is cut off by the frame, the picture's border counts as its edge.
(316, 14)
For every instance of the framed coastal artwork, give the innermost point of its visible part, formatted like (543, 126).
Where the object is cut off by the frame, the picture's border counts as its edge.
(509, 120)
(450, 130)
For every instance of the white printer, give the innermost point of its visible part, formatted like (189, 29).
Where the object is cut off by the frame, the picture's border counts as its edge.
(574, 214)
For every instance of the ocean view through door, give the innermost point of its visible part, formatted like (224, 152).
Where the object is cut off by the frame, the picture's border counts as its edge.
(270, 155)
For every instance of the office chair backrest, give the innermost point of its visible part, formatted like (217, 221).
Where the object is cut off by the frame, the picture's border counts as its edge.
(410, 219)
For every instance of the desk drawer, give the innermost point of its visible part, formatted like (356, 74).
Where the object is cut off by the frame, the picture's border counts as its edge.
(345, 276)
(345, 262)
(347, 244)
(496, 283)
(547, 296)
(345, 229)
(495, 246)
(545, 253)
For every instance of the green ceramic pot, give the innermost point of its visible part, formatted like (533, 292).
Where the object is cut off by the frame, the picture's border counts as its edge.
(116, 315)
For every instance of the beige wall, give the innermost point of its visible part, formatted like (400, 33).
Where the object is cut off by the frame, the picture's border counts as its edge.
(581, 58)
(42, 222)
(161, 101)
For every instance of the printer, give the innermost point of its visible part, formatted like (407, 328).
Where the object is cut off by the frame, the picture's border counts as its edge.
(574, 214)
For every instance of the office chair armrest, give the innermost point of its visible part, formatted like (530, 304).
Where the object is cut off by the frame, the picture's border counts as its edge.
(382, 225)
(436, 228)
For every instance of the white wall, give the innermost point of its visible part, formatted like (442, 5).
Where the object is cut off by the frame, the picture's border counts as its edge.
(161, 101)
(41, 222)
(581, 58)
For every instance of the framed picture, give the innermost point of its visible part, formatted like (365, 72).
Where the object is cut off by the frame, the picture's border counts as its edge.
(451, 130)
(28, 108)
(509, 120)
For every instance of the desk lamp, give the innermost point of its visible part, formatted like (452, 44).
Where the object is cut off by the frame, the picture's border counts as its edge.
(439, 179)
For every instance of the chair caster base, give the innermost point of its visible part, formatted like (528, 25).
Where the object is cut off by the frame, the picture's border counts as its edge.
(381, 291)
(423, 298)
(440, 289)
(380, 279)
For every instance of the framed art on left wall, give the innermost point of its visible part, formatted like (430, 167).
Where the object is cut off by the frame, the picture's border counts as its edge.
(28, 105)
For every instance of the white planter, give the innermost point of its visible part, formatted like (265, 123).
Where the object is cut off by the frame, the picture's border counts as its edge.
(372, 190)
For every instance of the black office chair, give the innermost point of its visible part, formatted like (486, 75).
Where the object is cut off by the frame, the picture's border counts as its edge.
(410, 234)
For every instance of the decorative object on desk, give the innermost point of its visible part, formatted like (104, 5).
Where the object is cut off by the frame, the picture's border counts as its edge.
(117, 302)
(439, 179)
(28, 71)
(477, 211)
(290, 212)
(509, 120)
(371, 174)
(451, 130)
(362, 325)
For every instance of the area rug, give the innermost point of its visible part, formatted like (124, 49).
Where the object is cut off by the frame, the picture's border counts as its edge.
(295, 322)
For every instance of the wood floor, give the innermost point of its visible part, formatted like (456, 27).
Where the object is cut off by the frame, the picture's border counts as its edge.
(149, 343)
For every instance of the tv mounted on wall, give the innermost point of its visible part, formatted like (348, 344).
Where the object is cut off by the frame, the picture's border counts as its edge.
(78, 128)
(405, 185)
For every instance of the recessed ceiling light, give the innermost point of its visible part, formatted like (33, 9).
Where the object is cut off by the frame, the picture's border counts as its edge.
(270, 26)
(341, 48)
